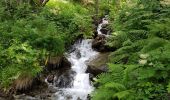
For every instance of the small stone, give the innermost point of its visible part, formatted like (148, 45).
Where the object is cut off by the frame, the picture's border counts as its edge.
(50, 78)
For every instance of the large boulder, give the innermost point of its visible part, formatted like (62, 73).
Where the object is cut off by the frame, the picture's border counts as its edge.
(98, 65)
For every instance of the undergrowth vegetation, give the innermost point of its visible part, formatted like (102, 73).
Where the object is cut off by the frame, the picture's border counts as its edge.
(31, 31)
(139, 69)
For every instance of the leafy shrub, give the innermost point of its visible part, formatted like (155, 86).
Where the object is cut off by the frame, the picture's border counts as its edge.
(137, 81)
(18, 59)
(161, 28)
(117, 39)
(29, 33)
(139, 69)
(71, 19)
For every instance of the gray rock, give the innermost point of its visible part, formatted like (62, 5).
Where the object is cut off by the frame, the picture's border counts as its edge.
(52, 89)
(104, 31)
(98, 65)
(65, 79)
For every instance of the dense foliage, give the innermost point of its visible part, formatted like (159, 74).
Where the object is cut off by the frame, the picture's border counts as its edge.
(139, 68)
(30, 32)
(33, 30)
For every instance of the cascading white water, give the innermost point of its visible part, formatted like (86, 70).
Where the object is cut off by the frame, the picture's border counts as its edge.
(104, 22)
(82, 53)
(81, 83)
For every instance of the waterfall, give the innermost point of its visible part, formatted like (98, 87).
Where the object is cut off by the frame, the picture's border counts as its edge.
(104, 22)
(81, 54)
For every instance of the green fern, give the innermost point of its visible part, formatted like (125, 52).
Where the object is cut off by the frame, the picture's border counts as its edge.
(146, 27)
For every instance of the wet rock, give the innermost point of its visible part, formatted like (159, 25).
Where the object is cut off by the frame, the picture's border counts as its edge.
(52, 89)
(50, 78)
(24, 97)
(104, 31)
(91, 76)
(45, 96)
(99, 43)
(65, 63)
(69, 97)
(96, 70)
(78, 54)
(88, 97)
(98, 65)
(65, 79)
